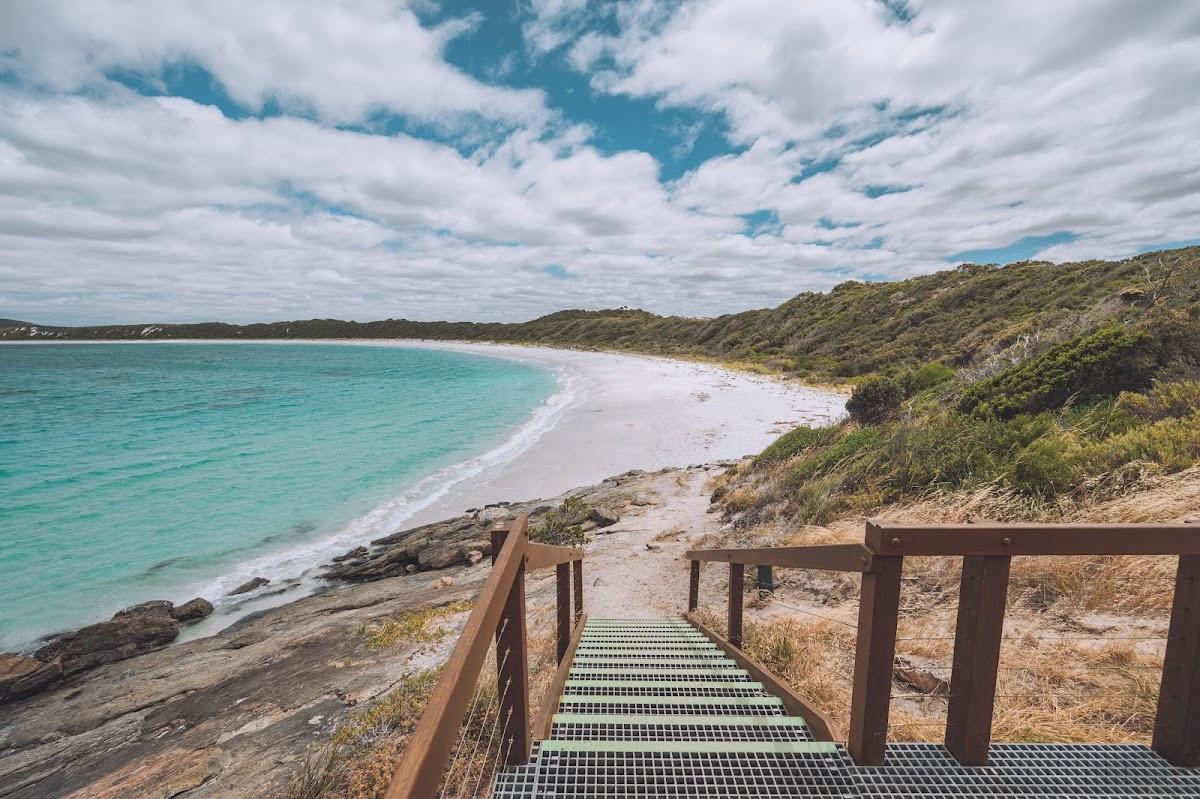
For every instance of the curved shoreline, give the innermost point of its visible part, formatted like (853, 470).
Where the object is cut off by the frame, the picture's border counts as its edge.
(613, 412)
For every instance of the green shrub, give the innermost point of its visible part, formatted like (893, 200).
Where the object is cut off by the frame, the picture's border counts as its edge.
(1163, 401)
(562, 526)
(1111, 360)
(792, 442)
(927, 377)
(861, 443)
(1048, 465)
(1172, 444)
(875, 400)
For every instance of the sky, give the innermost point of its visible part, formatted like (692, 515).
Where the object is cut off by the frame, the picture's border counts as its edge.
(284, 159)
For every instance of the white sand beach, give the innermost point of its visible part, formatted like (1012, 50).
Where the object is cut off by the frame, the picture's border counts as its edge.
(622, 412)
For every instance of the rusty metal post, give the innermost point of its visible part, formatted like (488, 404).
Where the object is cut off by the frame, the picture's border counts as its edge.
(737, 579)
(577, 574)
(563, 578)
(694, 587)
(512, 665)
(1177, 724)
(874, 654)
(978, 634)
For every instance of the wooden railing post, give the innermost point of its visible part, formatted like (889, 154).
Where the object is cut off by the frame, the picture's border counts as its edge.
(978, 634)
(562, 573)
(874, 654)
(737, 579)
(577, 574)
(764, 580)
(512, 662)
(694, 587)
(1177, 725)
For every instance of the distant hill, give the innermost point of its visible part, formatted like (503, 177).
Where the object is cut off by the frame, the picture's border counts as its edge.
(954, 316)
(14, 323)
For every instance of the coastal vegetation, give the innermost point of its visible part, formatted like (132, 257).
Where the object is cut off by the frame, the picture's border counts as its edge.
(1093, 417)
(973, 315)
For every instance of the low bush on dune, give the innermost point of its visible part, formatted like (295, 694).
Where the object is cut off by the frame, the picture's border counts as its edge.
(1047, 429)
(875, 400)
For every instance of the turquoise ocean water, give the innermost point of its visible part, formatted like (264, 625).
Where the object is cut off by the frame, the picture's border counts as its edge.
(133, 471)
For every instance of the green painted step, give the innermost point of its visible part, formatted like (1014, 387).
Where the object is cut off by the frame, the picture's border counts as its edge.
(633, 661)
(572, 683)
(755, 701)
(680, 721)
(693, 652)
(652, 647)
(694, 672)
(698, 747)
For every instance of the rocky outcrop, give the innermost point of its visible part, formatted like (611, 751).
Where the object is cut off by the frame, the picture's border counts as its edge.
(128, 633)
(131, 631)
(249, 585)
(23, 676)
(466, 539)
(192, 610)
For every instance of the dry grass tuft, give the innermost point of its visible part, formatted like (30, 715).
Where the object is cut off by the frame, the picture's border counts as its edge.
(416, 626)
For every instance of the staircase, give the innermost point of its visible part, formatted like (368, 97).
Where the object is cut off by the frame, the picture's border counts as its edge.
(652, 708)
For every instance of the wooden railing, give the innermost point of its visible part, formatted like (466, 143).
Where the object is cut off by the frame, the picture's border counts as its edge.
(986, 550)
(499, 615)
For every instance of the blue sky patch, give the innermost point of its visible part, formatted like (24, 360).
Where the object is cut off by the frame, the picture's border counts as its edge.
(763, 222)
(1020, 250)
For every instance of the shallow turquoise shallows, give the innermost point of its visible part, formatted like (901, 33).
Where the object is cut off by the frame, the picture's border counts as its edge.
(137, 471)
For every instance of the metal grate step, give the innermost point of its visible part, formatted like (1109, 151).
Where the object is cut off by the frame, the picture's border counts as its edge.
(699, 674)
(583, 775)
(1104, 771)
(696, 690)
(629, 664)
(647, 654)
(678, 728)
(674, 705)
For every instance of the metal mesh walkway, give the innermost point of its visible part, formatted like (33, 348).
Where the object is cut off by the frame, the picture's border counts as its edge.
(651, 708)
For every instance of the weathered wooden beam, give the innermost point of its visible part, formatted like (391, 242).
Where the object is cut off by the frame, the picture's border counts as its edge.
(694, 586)
(990, 538)
(512, 664)
(737, 579)
(825, 557)
(563, 580)
(1177, 725)
(543, 556)
(577, 580)
(419, 773)
(878, 608)
(978, 634)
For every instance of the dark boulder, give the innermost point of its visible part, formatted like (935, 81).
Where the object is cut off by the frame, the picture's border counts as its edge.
(603, 517)
(155, 607)
(249, 585)
(192, 610)
(21, 676)
(124, 636)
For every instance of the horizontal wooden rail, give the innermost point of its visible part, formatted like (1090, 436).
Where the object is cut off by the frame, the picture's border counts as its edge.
(832, 557)
(986, 550)
(499, 615)
(887, 538)
(543, 556)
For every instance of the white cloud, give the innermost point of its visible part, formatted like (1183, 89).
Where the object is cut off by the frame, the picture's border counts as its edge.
(1083, 112)
(1079, 116)
(340, 62)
